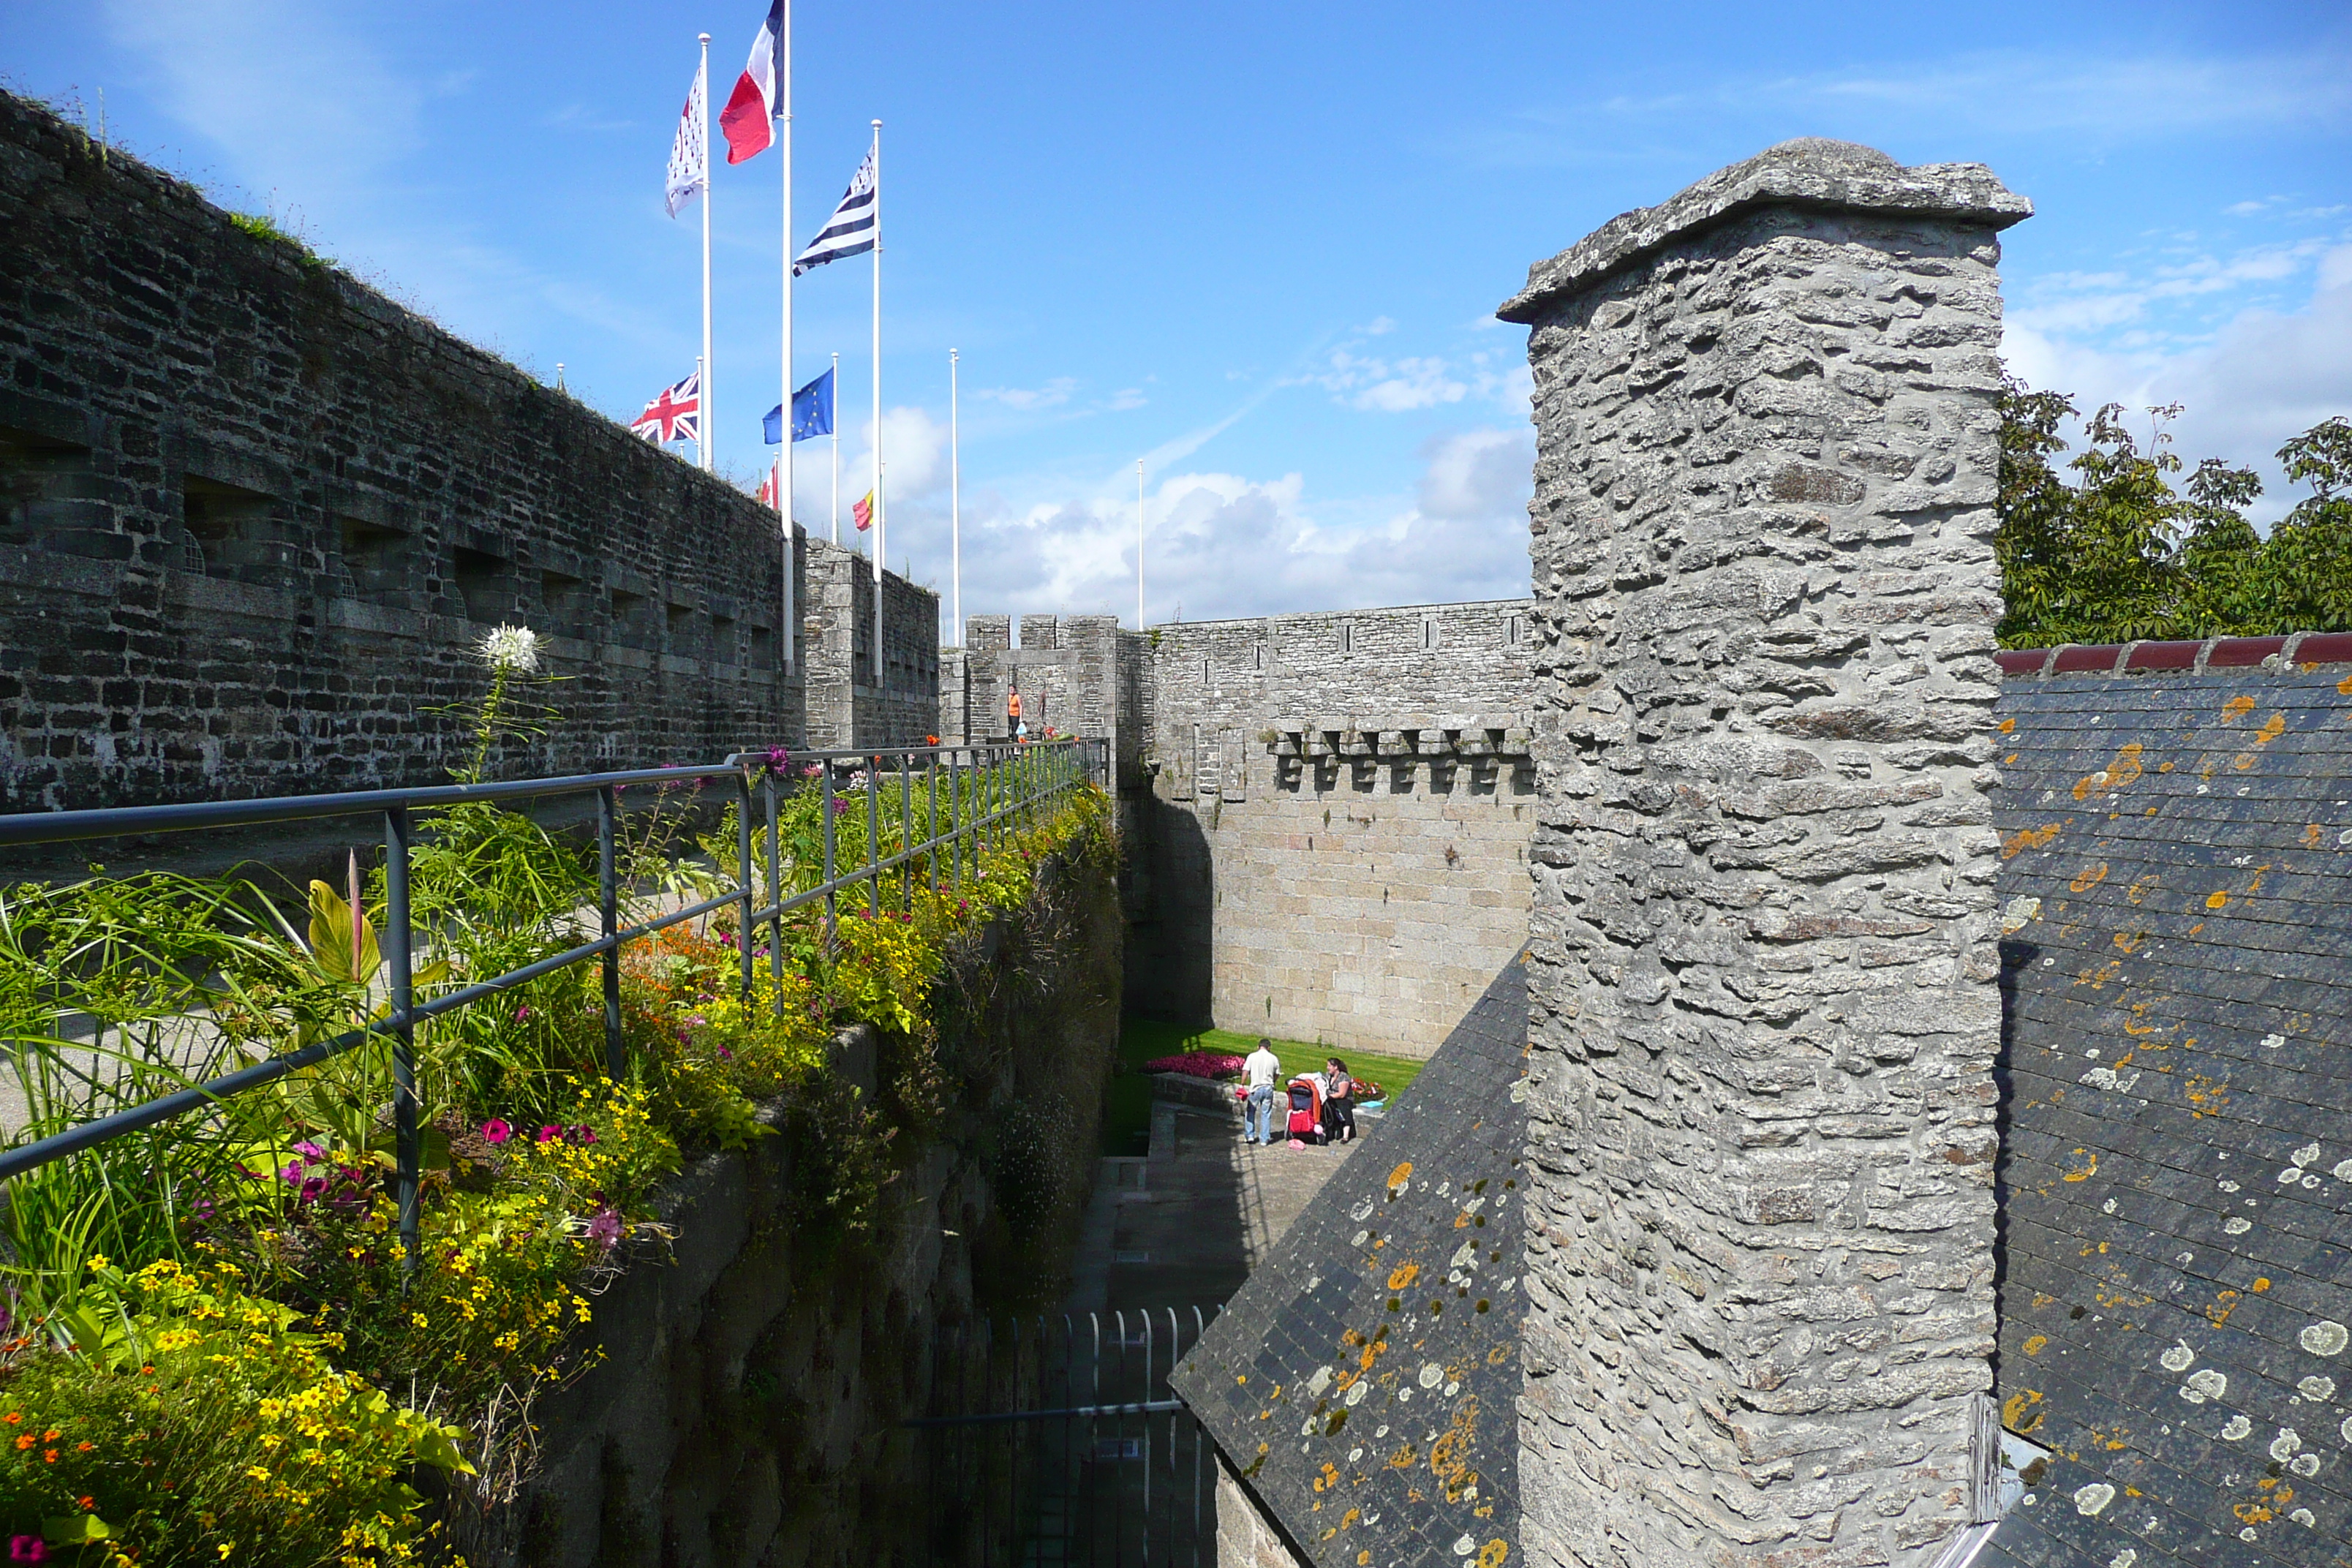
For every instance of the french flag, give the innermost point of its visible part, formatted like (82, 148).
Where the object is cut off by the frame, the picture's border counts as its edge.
(747, 121)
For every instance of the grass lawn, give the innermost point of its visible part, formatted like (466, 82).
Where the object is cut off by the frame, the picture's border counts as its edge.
(1127, 1128)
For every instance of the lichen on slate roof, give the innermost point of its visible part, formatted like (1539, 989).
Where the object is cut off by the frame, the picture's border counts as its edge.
(1365, 1382)
(2177, 1168)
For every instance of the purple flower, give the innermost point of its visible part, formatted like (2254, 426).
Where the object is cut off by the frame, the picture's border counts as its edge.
(312, 1188)
(309, 1152)
(581, 1134)
(292, 1174)
(725, 1055)
(523, 1012)
(840, 806)
(549, 1134)
(495, 1131)
(779, 759)
(605, 1228)
(27, 1548)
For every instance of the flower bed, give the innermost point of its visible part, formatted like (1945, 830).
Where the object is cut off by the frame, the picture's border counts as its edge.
(1210, 1065)
(220, 1350)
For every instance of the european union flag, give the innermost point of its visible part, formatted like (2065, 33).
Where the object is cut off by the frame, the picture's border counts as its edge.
(812, 413)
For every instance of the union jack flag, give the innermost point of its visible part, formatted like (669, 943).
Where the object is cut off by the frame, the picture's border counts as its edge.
(675, 416)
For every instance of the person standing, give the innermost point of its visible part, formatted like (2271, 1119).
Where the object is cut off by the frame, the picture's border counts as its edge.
(1339, 1103)
(1259, 1069)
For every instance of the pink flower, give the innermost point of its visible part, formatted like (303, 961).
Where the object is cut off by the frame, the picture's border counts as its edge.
(27, 1548)
(522, 1013)
(309, 1150)
(292, 1174)
(582, 1134)
(495, 1131)
(549, 1134)
(725, 1055)
(605, 1228)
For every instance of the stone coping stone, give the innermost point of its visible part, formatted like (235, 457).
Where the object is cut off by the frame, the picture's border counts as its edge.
(1809, 171)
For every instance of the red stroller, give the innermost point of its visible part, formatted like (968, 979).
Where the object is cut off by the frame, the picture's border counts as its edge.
(1305, 1109)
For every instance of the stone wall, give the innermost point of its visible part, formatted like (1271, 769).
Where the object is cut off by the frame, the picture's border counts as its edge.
(1763, 973)
(1333, 842)
(254, 515)
(846, 706)
(746, 1410)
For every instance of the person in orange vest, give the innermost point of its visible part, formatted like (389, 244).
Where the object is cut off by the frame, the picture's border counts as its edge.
(1013, 724)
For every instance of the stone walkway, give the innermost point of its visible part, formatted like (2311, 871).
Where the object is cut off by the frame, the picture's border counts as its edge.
(1185, 1226)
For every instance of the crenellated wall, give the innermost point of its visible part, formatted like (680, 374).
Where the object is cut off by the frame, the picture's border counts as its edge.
(847, 706)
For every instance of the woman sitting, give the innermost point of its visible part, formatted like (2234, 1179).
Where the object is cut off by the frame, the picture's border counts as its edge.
(1339, 1103)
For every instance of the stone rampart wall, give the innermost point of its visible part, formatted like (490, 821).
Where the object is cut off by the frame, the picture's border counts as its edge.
(1760, 1266)
(254, 515)
(846, 706)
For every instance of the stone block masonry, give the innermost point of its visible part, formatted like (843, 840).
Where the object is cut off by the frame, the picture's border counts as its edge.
(1762, 981)
(848, 704)
(1333, 841)
(253, 515)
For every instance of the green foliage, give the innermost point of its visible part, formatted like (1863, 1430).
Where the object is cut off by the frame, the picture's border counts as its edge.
(2125, 553)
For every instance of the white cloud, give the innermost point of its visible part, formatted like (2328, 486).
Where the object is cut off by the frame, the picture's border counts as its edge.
(2263, 375)
(1029, 400)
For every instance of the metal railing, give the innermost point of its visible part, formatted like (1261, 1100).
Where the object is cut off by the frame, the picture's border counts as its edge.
(990, 790)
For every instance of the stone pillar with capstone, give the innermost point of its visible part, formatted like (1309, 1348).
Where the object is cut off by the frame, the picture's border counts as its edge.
(1762, 979)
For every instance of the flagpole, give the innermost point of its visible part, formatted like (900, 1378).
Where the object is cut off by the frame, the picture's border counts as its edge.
(785, 498)
(709, 424)
(836, 448)
(881, 510)
(955, 505)
(1139, 545)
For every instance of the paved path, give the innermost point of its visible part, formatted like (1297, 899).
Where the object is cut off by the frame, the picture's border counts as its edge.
(1185, 1226)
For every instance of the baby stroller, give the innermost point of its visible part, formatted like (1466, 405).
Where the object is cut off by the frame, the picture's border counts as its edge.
(1305, 1109)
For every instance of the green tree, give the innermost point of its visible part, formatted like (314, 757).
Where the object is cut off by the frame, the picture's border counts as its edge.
(2118, 551)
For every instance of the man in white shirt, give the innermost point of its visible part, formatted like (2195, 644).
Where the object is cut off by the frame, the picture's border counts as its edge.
(1259, 1069)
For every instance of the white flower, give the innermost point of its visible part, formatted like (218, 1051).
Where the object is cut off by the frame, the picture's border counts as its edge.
(511, 647)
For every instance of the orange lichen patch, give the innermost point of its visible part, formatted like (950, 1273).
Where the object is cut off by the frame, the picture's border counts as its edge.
(2037, 1344)
(1364, 1558)
(1448, 1457)
(2112, 1444)
(2237, 708)
(1403, 1458)
(2026, 838)
(1404, 1274)
(2273, 728)
(1328, 1478)
(2096, 979)
(2019, 1415)
(2009, 726)
(2206, 1097)
(2088, 878)
(1401, 1176)
(2260, 1285)
(2010, 761)
(2345, 686)
(2198, 927)
(2242, 761)
(2141, 888)
(2084, 1172)
(1351, 1517)
(2311, 836)
(1491, 1555)
(2123, 772)
(2164, 767)
(1499, 1355)
(2129, 940)
(2223, 1305)
(2219, 899)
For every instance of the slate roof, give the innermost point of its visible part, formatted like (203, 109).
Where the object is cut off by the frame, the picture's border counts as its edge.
(1365, 1382)
(2176, 1176)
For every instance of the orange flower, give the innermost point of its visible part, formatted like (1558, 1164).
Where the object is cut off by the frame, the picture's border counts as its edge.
(51, 1436)
(86, 1502)
(50, 1456)
(15, 1417)
(27, 1441)
(84, 1447)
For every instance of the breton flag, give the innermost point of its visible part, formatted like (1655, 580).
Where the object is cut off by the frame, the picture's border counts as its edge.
(675, 416)
(850, 230)
(812, 413)
(750, 108)
(863, 511)
(689, 166)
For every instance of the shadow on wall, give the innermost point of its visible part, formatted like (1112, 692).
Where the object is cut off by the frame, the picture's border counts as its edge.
(1167, 951)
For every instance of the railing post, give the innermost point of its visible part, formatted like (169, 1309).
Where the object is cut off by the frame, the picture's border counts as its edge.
(956, 773)
(407, 1155)
(743, 874)
(872, 836)
(931, 782)
(608, 921)
(775, 899)
(906, 827)
(825, 810)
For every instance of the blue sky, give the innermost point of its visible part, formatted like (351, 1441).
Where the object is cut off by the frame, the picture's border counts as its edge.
(1255, 244)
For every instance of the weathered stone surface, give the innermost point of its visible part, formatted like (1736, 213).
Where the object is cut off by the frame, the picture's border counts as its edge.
(1763, 1013)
